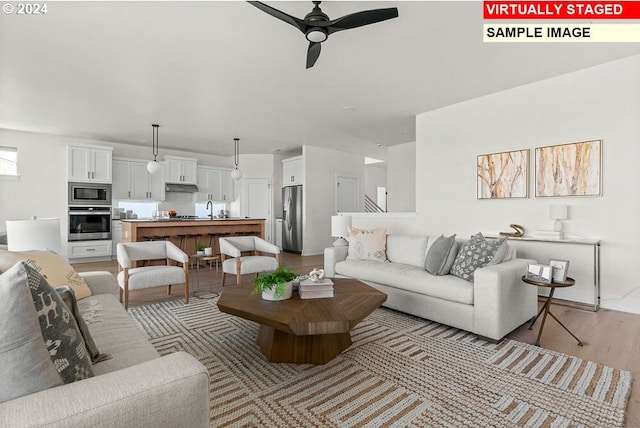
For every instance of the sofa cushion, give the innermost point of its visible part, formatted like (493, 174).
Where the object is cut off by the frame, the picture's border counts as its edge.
(152, 276)
(367, 244)
(59, 335)
(441, 255)
(115, 333)
(474, 254)
(410, 278)
(407, 249)
(51, 266)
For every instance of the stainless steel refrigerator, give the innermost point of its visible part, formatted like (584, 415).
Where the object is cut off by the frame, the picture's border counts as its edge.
(292, 219)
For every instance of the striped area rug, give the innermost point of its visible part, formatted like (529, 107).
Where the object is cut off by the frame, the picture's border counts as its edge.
(401, 371)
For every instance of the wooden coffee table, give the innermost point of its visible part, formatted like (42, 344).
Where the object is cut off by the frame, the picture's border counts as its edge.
(304, 331)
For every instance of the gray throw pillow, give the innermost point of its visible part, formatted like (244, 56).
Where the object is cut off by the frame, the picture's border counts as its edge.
(40, 344)
(441, 255)
(474, 254)
(25, 365)
(69, 298)
(59, 330)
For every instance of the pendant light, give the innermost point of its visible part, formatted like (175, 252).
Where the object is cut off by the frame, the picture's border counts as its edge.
(236, 174)
(153, 166)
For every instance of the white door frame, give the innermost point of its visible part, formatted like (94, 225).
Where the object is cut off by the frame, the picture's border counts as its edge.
(358, 199)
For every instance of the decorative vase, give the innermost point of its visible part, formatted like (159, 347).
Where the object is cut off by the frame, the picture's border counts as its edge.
(269, 293)
(208, 251)
(200, 252)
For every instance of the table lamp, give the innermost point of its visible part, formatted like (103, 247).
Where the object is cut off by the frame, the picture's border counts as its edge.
(340, 225)
(34, 234)
(558, 212)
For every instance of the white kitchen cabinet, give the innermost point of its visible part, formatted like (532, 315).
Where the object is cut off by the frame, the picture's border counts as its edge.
(209, 183)
(89, 164)
(227, 186)
(133, 181)
(215, 184)
(121, 184)
(181, 170)
(292, 171)
(89, 249)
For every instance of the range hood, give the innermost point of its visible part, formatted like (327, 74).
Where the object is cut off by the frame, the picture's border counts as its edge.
(180, 188)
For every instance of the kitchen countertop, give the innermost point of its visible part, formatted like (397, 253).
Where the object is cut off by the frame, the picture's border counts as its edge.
(182, 220)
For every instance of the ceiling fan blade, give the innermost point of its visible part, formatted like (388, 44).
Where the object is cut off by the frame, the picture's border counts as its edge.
(359, 19)
(296, 22)
(313, 53)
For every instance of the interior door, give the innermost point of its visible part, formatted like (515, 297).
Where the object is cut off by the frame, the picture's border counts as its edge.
(259, 202)
(347, 194)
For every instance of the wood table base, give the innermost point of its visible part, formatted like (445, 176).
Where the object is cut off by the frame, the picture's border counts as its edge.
(281, 347)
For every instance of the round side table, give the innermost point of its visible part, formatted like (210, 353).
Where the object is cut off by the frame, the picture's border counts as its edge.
(209, 260)
(545, 308)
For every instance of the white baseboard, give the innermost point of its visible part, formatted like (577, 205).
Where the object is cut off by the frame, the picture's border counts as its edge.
(312, 252)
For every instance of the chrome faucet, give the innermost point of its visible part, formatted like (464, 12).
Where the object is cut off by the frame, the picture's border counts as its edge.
(210, 208)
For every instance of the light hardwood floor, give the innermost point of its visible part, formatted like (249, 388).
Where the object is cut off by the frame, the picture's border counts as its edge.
(610, 337)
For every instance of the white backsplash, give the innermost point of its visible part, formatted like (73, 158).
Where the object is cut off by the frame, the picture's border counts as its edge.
(183, 203)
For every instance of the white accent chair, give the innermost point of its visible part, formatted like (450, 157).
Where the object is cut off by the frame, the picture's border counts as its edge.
(240, 265)
(137, 278)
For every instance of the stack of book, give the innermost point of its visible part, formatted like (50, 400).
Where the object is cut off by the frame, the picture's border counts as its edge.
(316, 290)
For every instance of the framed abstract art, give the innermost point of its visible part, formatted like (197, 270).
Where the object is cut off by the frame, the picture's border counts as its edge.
(503, 175)
(569, 169)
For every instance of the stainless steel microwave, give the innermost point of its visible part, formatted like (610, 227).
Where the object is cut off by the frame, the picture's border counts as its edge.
(89, 194)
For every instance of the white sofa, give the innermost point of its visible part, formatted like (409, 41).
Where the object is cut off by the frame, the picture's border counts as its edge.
(135, 388)
(494, 304)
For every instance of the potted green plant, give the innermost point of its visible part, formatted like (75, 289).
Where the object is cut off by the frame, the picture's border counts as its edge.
(200, 249)
(276, 285)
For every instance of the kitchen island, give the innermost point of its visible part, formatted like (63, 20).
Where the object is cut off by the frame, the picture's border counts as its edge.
(134, 230)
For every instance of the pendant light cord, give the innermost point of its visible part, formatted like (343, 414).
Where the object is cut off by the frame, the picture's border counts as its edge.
(155, 142)
(236, 153)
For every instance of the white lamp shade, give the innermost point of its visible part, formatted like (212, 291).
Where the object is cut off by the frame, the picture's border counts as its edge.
(153, 167)
(340, 225)
(236, 174)
(34, 234)
(558, 212)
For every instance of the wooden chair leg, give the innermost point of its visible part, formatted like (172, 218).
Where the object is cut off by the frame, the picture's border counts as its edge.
(238, 279)
(126, 289)
(169, 289)
(186, 283)
(120, 294)
(223, 276)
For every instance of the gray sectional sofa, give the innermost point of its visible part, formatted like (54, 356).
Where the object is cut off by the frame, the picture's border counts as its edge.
(492, 305)
(135, 388)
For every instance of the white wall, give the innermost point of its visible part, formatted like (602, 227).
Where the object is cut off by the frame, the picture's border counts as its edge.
(42, 187)
(375, 175)
(321, 167)
(599, 102)
(401, 178)
(42, 166)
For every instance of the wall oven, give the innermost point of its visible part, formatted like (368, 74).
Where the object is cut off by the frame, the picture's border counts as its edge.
(89, 223)
(89, 194)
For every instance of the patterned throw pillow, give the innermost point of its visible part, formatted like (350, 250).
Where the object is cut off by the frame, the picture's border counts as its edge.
(51, 266)
(59, 330)
(474, 254)
(367, 244)
(40, 345)
(69, 298)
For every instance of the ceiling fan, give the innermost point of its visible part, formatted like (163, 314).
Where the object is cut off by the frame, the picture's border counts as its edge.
(317, 26)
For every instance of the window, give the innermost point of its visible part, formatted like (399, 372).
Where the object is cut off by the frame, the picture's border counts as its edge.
(202, 211)
(8, 161)
(141, 209)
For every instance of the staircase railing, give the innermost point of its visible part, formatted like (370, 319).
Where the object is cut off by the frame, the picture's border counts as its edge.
(370, 205)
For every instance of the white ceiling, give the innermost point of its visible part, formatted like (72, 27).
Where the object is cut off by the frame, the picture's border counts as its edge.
(211, 71)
